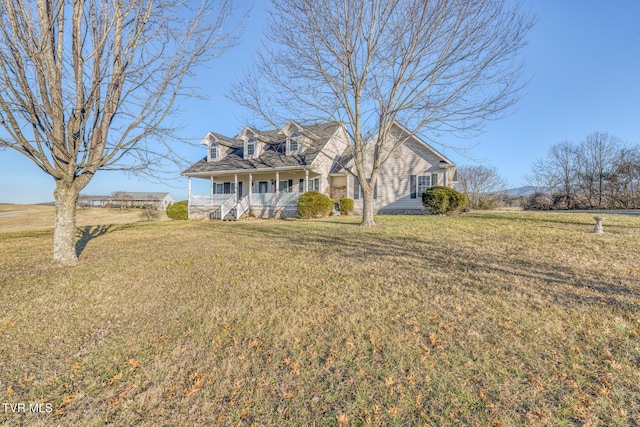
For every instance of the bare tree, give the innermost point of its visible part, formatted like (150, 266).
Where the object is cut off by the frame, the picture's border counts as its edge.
(623, 180)
(87, 85)
(480, 183)
(600, 172)
(441, 66)
(563, 167)
(557, 174)
(596, 157)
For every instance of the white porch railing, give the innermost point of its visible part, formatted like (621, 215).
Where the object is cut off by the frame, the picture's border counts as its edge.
(228, 204)
(274, 199)
(242, 206)
(208, 200)
(223, 204)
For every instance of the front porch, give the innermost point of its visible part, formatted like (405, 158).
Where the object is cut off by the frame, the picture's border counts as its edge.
(263, 194)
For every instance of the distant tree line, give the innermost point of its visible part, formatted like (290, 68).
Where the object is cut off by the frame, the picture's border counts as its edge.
(601, 172)
(482, 185)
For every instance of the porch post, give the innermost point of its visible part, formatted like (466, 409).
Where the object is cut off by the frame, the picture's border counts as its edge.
(277, 182)
(346, 194)
(306, 180)
(188, 197)
(235, 185)
(445, 178)
(211, 192)
(250, 186)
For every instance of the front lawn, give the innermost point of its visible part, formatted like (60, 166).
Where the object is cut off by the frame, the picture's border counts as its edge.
(483, 319)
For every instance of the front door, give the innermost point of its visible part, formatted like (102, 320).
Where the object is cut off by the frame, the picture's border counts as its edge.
(262, 186)
(240, 190)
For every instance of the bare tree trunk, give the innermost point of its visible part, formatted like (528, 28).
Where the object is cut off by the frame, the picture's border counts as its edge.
(64, 239)
(367, 208)
(71, 71)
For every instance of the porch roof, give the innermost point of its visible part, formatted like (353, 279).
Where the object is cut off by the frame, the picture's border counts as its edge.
(271, 157)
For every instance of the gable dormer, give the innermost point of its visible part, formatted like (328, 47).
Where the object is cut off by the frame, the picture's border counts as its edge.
(295, 139)
(214, 152)
(218, 146)
(294, 143)
(253, 146)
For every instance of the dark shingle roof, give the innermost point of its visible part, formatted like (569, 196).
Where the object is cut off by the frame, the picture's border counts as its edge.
(273, 155)
(139, 195)
(225, 140)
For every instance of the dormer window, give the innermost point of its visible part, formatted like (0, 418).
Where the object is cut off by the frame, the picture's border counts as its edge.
(293, 143)
(251, 147)
(213, 152)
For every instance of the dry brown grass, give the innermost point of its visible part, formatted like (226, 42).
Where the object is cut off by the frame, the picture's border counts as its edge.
(38, 217)
(484, 319)
(10, 207)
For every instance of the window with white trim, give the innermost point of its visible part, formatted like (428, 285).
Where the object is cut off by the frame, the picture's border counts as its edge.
(293, 143)
(314, 184)
(251, 147)
(424, 182)
(224, 188)
(357, 189)
(213, 152)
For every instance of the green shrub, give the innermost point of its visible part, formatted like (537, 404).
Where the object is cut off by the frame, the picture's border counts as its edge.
(314, 205)
(178, 210)
(443, 200)
(457, 200)
(346, 206)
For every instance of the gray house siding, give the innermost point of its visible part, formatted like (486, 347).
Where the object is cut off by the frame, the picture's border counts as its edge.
(394, 187)
(325, 161)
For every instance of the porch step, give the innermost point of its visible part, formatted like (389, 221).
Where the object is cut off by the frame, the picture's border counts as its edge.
(214, 214)
(231, 215)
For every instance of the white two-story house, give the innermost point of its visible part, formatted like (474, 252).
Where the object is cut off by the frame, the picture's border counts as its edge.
(263, 173)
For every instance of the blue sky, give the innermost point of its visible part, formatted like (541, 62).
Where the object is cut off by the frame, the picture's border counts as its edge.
(583, 57)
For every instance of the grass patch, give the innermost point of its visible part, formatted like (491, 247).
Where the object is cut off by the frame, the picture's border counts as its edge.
(482, 319)
(38, 217)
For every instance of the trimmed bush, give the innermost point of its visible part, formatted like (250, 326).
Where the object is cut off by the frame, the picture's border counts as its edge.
(443, 200)
(178, 210)
(346, 206)
(314, 205)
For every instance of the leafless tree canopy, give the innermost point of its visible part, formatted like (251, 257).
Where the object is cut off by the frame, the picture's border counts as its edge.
(434, 66)
(599, 172)
(90, 82)
(87, 85)
(480, 184)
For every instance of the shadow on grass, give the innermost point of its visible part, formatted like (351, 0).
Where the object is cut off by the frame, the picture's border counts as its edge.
(568, 285)
(90, 232)
(585, 219)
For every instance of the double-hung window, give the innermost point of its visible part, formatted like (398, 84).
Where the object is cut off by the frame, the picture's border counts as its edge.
(357, 189)
(314, 184)
(293, 142)
(213, 152)
(251, 147)
(418, 184)
(224, 188)
(424, 182)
